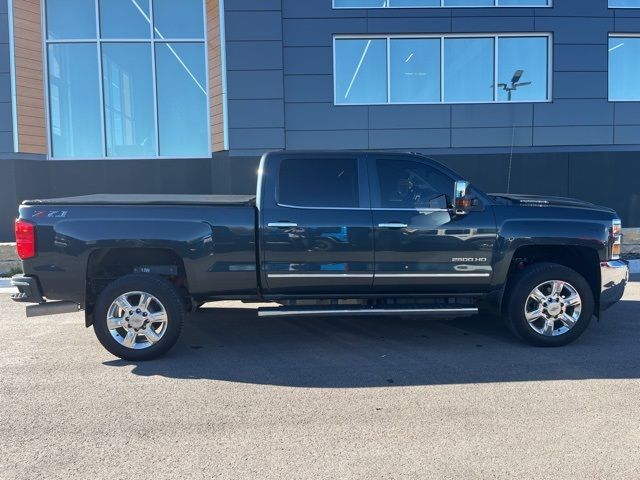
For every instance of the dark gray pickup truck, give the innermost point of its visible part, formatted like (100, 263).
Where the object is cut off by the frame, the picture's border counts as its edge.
(329, 233)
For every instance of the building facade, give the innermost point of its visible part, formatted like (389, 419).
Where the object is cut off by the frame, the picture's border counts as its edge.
(155, 96)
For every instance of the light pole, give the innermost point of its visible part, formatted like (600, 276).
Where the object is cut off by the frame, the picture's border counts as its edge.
(514, 84)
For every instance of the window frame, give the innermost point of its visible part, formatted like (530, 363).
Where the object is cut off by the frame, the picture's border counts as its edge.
(362, 179)
(443, 37)
(442, 5)
(375, 179)
(98, 41)
(609, 37)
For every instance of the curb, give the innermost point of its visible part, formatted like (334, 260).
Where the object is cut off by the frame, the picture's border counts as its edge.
(8, 257)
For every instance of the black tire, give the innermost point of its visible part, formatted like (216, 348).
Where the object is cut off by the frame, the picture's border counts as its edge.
(163, 291)
(517, 296)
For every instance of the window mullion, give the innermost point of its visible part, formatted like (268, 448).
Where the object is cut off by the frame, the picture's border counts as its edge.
(156, 122)
(103, 113)
(495, 68)
(388, 70)
(442, 69)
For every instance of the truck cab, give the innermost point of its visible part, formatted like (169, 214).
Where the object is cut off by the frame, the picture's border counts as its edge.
(377, 224)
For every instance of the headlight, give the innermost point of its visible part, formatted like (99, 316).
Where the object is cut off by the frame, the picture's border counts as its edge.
(616, 239)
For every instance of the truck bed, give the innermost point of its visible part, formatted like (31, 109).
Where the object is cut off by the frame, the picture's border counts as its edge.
(145, 199)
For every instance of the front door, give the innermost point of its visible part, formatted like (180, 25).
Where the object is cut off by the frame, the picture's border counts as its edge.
(420, 246)
(317, 232)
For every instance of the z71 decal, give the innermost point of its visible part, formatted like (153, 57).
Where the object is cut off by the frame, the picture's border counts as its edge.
(50, 214)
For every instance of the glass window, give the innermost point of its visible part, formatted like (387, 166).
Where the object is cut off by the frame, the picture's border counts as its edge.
(319, 182)
(128, 99)
(624, 68)
(183, 19)
(468, 69)
(407, 184)
(361, 71)
(71, 19)
(624, 3)
(182, 99)
(74, 100)
(125, 121)
(125, 19)
(415, 70)
(522, 69)
(421, 69)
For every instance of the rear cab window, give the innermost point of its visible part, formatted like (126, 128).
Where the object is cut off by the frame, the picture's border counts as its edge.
(319, 182)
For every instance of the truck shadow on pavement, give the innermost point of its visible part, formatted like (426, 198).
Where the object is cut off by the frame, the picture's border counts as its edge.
(235, 345)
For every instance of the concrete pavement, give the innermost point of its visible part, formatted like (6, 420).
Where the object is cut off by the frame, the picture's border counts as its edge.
(242, 397)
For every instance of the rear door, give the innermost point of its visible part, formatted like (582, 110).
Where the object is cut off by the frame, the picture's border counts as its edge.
(316, 225)
(419, 245)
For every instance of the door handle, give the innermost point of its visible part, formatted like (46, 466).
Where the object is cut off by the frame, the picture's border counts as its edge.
(393, 225)
(282, 224)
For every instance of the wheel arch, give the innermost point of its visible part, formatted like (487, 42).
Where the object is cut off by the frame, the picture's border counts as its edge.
(108, 264)
(584, 260)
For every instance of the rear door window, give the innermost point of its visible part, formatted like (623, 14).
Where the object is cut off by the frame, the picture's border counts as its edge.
(319, 182)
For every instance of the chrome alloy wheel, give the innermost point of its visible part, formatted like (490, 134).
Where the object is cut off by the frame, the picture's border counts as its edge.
(137, 320)
(553, 308)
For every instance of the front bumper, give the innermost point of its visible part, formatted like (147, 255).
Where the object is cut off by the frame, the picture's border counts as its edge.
(614, 275)
(28, 289)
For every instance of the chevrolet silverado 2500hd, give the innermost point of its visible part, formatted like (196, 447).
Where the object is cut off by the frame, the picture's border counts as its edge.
(329, 233)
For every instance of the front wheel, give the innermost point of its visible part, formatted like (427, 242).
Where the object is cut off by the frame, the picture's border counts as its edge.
(138, 317)
(549, 305)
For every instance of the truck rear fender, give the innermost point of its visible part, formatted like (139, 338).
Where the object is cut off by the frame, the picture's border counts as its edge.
(107, 265)
(67, 247)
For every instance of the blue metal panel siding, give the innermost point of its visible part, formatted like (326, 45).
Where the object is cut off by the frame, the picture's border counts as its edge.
(491, 137)
(255, 85)
(492, 115)
(408, 25)
(318, 32)
(281, 51)
(626, 134)
(413, 139)
(254, 56)
(308, 60)
(573, 135)
(409, 116)
(249, 25)
(627, 113)
(580, 85)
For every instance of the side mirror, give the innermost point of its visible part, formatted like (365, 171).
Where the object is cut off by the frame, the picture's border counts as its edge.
(462, 201)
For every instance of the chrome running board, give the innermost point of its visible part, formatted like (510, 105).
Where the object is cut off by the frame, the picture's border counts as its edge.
(324, 311)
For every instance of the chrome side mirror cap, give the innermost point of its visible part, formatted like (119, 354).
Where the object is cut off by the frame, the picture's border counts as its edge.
(462, 202)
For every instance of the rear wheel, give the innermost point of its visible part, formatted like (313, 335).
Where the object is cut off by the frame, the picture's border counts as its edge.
(549, 305)
(138, 317)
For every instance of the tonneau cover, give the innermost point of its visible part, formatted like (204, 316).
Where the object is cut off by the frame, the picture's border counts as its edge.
(143, 199)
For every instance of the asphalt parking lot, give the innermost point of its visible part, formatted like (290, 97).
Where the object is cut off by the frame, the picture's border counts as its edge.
(242, 397)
